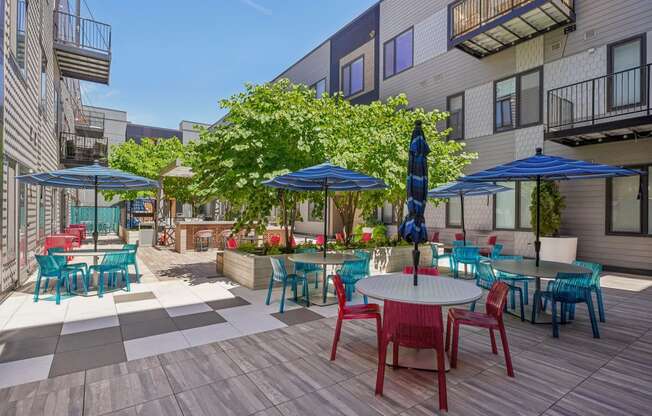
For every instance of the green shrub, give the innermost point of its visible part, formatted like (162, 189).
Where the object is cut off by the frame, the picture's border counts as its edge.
(552, 203)
(248, 248)
(379, 232)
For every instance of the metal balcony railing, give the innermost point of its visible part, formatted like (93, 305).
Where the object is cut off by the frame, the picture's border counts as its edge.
(81, 150)
(616, 97)
(82, 33)
(87, 119)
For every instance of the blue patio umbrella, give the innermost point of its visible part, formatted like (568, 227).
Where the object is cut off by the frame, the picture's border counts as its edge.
(546, 167)
(325, 177)
(93, 176)
(464, 189)
(413, 229)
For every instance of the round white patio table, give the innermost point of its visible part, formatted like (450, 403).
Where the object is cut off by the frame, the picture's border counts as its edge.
(95, 254)
(331, 259)
(545, 270)
(431, 290)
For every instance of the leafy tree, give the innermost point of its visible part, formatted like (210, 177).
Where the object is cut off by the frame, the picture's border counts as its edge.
(552, 204)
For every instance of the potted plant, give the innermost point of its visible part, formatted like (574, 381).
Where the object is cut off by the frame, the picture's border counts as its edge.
(553, 246)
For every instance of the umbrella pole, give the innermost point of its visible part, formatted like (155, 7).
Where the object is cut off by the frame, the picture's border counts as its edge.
(325, 216)
(537, 242)
(95, 235)
(415, 263)
(463, 227)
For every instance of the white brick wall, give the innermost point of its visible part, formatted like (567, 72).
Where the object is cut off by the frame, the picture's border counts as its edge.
(527, 140)
(478, 111)
(430, 37)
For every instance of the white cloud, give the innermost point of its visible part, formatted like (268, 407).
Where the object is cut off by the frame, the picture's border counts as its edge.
(257, 6)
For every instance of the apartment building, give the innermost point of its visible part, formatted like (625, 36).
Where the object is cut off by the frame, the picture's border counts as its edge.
(572, 77)
(47, 49)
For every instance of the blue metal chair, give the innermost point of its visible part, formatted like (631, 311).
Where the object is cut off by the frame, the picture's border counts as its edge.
(73, 268)
(305, 269)
(568, 289)
(48, 267)
(596, 271)
(112, 264)
(280, 275)
(514, 278)
(436, 256)
(131, 258)
(485, 278)
(467, 255)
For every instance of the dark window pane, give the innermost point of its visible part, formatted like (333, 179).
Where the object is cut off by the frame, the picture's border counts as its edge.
(530, 98)
(456, 118)
(404, 51)
(625, 205)
(627, 80)
(357, 76)
(320, 88)
(346, 80)
(389, 58)
(505, 103)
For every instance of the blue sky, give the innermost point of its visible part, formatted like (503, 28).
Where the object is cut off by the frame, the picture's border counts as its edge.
(173, 60)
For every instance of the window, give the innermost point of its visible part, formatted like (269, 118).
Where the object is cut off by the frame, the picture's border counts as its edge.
(627, 84)
(455, 106)
(353, 77)
(629, 203)
(388, 214)
(319, 87)
(454, 213)
(399, 53)
(518, 101)
(21, 34)
(10, 200)
(512, 208)
(44, 82)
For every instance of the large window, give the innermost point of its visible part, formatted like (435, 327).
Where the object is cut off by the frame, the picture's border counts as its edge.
(44, 82)
(512, 208)
(454, 213)
(21, 34)
(353, 77)
(399, 53)
(455, 107)
(627, 84)
(518, 101)
(629, 203)
(319, 87)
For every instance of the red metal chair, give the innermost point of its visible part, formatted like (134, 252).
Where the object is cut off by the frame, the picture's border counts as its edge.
(492, 320)
(425, 270)
(491, 241)
(320, 240)
(58, 241)
(413, 326)
(459, 236)
(348, 312)
(366, 237)
(81, 227)
(435, 237)
(232, 244)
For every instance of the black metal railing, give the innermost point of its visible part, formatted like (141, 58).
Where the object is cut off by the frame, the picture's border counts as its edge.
(77, 149)
(612, 97)
(468, 15)
(81, 32)
(89, 119)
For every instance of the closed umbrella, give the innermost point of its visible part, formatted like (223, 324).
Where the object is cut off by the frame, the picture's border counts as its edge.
(464, 189)
(413, 229)
(325, 177)
(94, 177)
(546, 167)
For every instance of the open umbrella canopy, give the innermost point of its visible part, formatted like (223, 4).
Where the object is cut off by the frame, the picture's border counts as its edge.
(336, 178)
(454, 189)
(85, 177)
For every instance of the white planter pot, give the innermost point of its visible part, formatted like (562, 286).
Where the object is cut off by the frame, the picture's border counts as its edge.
(560, 249)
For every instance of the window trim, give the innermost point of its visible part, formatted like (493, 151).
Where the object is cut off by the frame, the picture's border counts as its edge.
(348, 65)
(643, 184)
(610, 70)
(448, 106)
(517, 114)
(517, 211)
(314, 86)
(448, 223)
(394, 72)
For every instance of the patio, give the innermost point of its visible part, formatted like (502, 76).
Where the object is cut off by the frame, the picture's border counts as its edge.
(185, 341)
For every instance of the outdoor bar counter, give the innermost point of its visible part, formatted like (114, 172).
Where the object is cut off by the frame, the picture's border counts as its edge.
(184, 233)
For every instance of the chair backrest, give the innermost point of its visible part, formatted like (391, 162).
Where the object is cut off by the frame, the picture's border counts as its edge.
(48, 265)
(459, 236)
(278, 269)
(320, 240)
(366, 257)
(435, 237)
(492, 240)
(412, 324)
(340, 292)
(353, 268)
(115, 259)
(574, 283)
(60, 260)
(496, 299)
(231, 244)
(484, 275)
(458, 243)
(466, 253)
(596, 270)
(496, 250)
(133, 248)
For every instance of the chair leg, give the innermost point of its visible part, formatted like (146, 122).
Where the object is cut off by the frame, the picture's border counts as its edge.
(306, 291)
(316, 280)
(336, 337)
(100, 284)
(594, 322)
(508, 357)
(456, 336)
(598, 296)
(283, 296)
(521, 302)
(526, 291)
(555, 324)
(379, 330)
(448, 333)
(58, 290)
(37, 286)
(127, 281)
(512, 298)
(137, 271)
(494, 349)
(441, 367)
(395, 346)
(380, 373)
(47, 282)
(269, 291)
(365, 299)
(535, 304)
(472, 307)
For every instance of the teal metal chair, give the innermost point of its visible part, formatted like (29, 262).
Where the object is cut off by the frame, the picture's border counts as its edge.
(70, 267)
(485, 278)
(49, 268)
(112, 265)
(132, 258)
(596, 271)
(350, 272)
(568, 289)
(280, 275)
(513, 279)
(436, 256)
(495, 251)
(305, 269)
(466, 255)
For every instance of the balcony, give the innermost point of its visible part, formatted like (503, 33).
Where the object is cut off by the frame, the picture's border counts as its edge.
(613, 107)
(484, 27)
(89, 123)
(75, 150)
(82, 47)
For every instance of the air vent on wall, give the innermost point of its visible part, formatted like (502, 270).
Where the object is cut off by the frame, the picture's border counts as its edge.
(555, 46)
(589, 34)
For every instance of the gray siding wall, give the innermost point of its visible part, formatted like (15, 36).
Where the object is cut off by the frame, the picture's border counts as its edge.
(312, 68)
